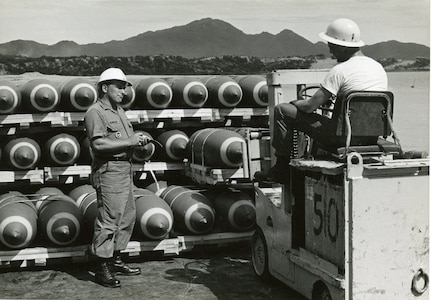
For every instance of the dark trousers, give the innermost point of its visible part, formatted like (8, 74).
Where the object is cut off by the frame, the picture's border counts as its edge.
(287, 117)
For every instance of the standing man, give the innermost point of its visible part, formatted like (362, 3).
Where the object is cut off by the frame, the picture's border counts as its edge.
(354, 72)
(112, 140)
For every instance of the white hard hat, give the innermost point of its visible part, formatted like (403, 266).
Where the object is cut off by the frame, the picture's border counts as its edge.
(343, 32)
(113, 74)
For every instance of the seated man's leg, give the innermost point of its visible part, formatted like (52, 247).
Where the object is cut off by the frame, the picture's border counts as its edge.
(287, 117)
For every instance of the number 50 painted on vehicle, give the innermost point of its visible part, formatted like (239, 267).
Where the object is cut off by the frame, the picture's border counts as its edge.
(324, 219)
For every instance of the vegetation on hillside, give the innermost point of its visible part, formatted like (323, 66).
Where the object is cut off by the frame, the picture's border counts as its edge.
(174, 65)
(419, 64)
(149, 65)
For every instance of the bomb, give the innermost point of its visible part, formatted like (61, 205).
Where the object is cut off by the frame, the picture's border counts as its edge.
(143, 153)
(18, 220)
(10, 97)
(234, 209)
(153, 93)
(216, 147)
(188, 92)
(129, 98)
(21, 153)
(39, 95)
(157, 187)
(85, 197)
(174, 144)
(154, 217)
(63, 149)
(193, 212)
(223, 92)
(59, 217)
(255, 91)
(77, 94)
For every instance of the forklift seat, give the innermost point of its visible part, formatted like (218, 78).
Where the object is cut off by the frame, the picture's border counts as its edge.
(361, 122)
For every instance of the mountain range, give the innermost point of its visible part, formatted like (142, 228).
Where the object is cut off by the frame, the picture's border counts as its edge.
(207, 38)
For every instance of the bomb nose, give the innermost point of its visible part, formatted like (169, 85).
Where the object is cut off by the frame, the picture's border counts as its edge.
(62, 230)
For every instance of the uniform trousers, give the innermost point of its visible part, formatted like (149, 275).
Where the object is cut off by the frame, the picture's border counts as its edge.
(116, 208)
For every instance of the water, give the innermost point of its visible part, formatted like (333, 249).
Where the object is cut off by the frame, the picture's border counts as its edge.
(411, 108)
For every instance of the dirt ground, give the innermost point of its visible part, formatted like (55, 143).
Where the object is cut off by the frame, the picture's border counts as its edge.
(207, 272)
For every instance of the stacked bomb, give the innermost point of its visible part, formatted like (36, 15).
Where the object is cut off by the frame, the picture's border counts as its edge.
(62, 149)
(216, 147)
(25, 153)
(48, 213)
(212, 147)
(63, 220)
(42, 95)
(18, 220)
(77, 94)
(59, 217)
(235, 210)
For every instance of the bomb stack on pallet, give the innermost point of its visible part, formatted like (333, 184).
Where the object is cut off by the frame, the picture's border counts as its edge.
(47, 199)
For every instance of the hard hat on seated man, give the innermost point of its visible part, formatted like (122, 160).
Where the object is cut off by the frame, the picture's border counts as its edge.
(344, 39)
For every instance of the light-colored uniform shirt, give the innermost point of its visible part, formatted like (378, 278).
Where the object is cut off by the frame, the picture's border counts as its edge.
(103, 121)
(359, 73)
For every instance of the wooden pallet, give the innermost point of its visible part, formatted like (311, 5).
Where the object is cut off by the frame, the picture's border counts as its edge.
(73, 174)
(56, 119)
(205, 175)
(39, 256)
(68, 174)
(42, 256)
(31, 176)
(68, 119)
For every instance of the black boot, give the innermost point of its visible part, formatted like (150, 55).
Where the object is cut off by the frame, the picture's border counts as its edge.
(120, 268)
(279, 173)
(104, 276)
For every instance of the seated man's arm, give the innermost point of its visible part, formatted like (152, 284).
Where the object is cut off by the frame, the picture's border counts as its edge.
(311, 104)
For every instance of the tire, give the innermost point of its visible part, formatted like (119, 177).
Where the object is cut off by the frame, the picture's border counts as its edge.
(322, 293)
(259, 255)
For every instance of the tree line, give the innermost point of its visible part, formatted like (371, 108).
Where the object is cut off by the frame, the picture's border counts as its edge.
(150, 65)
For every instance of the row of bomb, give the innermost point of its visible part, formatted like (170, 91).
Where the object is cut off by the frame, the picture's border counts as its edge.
(77, 94)
(213, 147)
(51, 218)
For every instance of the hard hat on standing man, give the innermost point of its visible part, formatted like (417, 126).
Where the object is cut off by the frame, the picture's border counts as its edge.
(113, 74)
(343, 32)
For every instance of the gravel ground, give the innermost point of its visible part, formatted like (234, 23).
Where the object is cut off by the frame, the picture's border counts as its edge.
(207, 272)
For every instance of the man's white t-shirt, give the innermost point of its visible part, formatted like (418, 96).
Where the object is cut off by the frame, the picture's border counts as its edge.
(359, 73)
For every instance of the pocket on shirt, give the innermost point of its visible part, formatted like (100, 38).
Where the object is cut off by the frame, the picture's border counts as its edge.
(113, 128)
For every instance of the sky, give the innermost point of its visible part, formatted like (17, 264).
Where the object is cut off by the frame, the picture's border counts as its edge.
(99, 21)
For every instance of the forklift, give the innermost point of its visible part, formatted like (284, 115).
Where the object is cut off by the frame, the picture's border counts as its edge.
(350, 224)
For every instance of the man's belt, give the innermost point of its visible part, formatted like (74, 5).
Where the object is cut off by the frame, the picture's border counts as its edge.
(114, 158)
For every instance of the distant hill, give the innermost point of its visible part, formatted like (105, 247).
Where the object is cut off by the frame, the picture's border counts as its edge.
(207, 38)
(397, 50)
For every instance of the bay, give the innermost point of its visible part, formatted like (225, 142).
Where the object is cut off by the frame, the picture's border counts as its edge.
(411, 108)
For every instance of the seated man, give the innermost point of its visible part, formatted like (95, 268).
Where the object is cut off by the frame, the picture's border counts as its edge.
(354, 72)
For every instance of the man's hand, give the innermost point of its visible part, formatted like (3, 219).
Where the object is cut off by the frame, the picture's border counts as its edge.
(138, 139)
